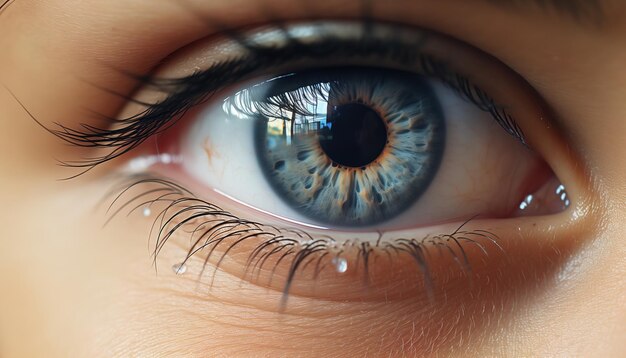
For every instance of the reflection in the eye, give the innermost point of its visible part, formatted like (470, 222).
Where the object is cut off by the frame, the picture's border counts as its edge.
(440, 158)
(282, 218)
(142, 163)
(363, 158)
(551, 198)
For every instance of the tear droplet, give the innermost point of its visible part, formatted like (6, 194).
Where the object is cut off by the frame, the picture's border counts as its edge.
(341, 264)
(179, 269)
(147, 211)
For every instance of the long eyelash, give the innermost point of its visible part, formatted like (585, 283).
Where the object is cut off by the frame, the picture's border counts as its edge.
(216, 232)
(252, 103)
(475, 95)
(124, 135)
(247, 103)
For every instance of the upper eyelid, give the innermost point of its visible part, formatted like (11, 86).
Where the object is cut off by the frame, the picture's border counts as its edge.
(196, 88)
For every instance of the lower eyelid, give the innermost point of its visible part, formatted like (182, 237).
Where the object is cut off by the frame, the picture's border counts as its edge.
(422, 267)
(466, 305)
(473, 306)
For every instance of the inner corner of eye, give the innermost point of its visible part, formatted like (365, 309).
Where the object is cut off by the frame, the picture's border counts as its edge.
(363, 148)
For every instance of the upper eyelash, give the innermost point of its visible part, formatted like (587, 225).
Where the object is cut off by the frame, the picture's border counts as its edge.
(248, 103)
(126, 134)
(214, 227)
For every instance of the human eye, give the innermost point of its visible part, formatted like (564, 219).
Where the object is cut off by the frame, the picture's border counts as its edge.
(321, 178)
(333, 150)
(355, 146)
(322, 181)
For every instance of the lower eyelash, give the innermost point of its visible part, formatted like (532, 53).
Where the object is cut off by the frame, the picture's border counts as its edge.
(218, 232)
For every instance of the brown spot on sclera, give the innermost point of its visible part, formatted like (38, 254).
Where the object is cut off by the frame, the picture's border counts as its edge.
(210, 151)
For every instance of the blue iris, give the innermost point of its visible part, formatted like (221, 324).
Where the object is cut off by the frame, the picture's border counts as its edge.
(348, 147)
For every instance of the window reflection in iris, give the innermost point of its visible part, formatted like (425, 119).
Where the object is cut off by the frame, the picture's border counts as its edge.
(347, 147)
(402, 143)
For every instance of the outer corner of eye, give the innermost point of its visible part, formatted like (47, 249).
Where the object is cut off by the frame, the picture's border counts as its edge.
(358, 169)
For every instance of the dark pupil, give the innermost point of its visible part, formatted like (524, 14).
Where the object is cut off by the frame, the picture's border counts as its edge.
(355, 135)
(346, 146)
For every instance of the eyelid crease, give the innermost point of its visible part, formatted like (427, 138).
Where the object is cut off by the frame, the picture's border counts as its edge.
(582, 11)
(184, 93)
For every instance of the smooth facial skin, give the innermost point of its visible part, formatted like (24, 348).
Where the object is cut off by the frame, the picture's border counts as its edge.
(71, 287)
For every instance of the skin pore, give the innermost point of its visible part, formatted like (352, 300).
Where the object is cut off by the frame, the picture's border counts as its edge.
(71, 287)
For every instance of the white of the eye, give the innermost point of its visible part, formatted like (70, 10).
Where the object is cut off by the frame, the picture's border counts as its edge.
(220, 153)
(286, 219)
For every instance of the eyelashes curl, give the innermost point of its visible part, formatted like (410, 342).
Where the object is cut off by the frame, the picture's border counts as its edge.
(212, 234)
(120, 136)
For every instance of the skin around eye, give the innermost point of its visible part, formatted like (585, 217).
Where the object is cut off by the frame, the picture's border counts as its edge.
(484, 172)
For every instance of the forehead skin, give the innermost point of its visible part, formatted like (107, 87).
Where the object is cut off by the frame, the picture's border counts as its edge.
(72, 289)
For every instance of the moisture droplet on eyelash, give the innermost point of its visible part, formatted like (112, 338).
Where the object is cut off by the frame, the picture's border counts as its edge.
(179, 269)
(341, 264)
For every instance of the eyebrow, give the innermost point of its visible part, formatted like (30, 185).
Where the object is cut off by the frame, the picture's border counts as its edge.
(582, 11)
